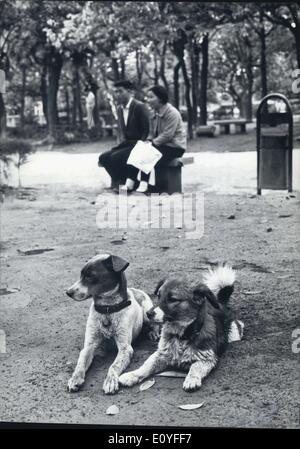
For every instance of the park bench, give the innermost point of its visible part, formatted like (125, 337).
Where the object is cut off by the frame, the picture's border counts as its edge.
(206, 131)
(239, 124)
(297, 130)
(109, 129)
(168, 176)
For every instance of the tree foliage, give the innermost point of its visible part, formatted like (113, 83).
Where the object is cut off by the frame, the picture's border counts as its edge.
(55, 48)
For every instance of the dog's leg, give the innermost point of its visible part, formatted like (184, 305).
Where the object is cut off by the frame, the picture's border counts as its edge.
(199, 370)
(236, 331)
(91, 342)
(144, 300)
(154, 364)
(125, 352)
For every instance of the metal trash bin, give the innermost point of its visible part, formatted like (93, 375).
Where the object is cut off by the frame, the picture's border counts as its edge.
(274, 143)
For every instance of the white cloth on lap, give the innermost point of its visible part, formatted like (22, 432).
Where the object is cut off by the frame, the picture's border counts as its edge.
(144, 156)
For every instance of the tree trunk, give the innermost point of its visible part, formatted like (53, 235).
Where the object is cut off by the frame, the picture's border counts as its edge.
(194, 83)
(176, 84)
(115, 68)
(67, 105)
(74, 105)
(187, 99)
(44, 90)
(263, 66)
(54, 70)
(2, 117)
(263, 58)
(249, 92)
(22, 105)
(155, 69)
(139, 68)
(122, 68)
(78, 91)
(297, 39)
(162, 67)
(204, 78)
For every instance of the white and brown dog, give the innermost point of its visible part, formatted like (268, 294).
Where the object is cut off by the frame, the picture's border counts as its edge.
(198, 325)
(116, 312)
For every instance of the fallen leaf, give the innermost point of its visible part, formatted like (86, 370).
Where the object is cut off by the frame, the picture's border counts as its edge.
(112, 410)
(190, 406)
(284, 215)
(146, 385)
(231, 217)
(30, 252)
(8, 291)
(117, 242)
(252, 292)
(172, 374)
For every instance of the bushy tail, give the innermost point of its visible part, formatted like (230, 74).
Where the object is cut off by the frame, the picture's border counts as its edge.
(220, 281)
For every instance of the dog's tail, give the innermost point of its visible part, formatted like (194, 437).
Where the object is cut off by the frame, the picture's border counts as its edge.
(220, 281)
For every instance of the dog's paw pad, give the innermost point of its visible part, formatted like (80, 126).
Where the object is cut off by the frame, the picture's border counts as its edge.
(191, 384)
(111, 385)
(128, 379)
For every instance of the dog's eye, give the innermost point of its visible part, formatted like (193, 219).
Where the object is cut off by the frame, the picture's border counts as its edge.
(173, 299)
(90, 278)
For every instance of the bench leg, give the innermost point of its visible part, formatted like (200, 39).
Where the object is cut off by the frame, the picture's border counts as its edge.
(174, 180)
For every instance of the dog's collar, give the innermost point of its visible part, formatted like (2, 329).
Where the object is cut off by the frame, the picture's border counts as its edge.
(106, 309)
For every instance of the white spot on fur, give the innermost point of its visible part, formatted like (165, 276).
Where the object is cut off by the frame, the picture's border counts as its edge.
(79, 292)
(99, 257)
(219, 277)
(236, 331)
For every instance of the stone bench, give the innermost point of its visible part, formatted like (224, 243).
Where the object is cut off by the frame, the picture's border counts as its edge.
(206, 131)
(168, 175)
(239, 124)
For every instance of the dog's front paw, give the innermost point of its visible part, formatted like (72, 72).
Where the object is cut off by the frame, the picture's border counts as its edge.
(76, 381)
(191, 383)
(154, 332)
(128, 379)
(111, 384)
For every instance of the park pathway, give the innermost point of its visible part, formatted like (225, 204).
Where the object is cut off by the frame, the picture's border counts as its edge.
(220, 173)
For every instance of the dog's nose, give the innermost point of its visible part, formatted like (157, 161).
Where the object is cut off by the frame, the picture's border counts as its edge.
(69, 293)
(150, 314)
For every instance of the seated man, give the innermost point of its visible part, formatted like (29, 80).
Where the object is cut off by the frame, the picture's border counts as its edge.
(134, 122)
(168, 134)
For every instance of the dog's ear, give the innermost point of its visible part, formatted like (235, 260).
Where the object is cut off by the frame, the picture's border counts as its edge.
(202, 292)
(159, 285)
(116, 264)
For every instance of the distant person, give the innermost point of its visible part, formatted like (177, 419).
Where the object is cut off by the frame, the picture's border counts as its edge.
(133, 118)
(167, 133)
(90, 102)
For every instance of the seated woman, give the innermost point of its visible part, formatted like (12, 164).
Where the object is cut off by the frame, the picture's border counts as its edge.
(167, 134)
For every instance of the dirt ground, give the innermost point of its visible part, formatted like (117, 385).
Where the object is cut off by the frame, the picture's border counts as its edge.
(257, 381)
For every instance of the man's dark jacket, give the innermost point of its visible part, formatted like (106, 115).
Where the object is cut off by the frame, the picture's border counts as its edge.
(137, 127)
